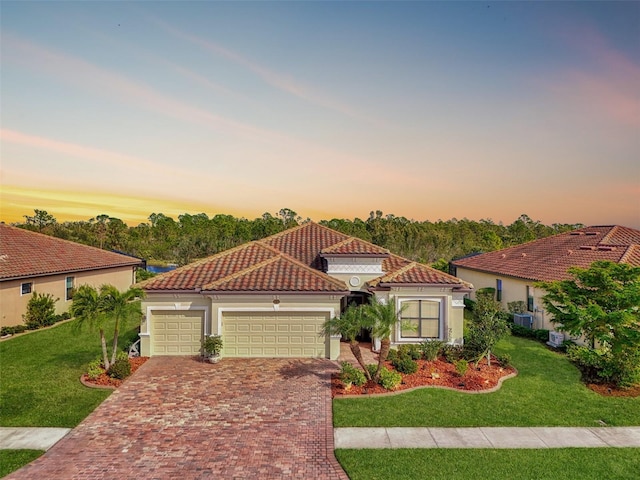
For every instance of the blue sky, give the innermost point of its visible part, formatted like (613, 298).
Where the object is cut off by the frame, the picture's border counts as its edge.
(429, 110)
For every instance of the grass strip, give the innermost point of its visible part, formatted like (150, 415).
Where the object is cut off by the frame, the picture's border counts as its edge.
(492, 464)
(12, 460)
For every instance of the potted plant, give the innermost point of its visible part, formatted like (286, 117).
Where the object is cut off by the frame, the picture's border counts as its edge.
(211, 348)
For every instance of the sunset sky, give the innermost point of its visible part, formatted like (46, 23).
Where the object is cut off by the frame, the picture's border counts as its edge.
(419, 109)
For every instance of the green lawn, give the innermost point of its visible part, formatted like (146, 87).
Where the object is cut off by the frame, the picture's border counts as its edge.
(40, 384)
(492, 464)
(12, 460)
(546, 392)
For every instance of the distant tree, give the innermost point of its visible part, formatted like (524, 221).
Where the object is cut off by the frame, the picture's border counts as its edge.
(40, 220)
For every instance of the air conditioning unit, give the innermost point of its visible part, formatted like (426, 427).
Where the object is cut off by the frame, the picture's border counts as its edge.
(555, 339)
(523, 319)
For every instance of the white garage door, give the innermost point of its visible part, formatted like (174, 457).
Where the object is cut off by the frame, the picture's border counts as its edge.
(282, 334)
(176, 332)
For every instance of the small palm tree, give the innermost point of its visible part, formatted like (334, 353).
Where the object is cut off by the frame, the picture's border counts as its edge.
(349, 325)
(119, 307)
(382, 316)
(96, 308)
(86, 309)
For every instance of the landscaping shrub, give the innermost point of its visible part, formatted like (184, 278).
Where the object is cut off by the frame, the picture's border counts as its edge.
(392, 355)
(541, 335)
(350, 375)
(451, 353)
(41, 311)
(461, 366)
(469, 304)
(406, 365)
(600, 366)
(486, 292)
(372, 368)
(504, 360)
(409, 350)
(430, 349)
(517, 307)
(389, 379)
(94, 370)
(12, 330)
(120, 369)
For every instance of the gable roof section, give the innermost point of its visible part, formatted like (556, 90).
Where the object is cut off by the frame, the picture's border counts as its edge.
(355, 247)
(27, 254)
(414, 273)
(291, 261)
(278, 274)
(549, 258)
(305, 242)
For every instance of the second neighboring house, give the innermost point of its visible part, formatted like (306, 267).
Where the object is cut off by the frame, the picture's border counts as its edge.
(514, 271)
(32, 262)
(270, 298)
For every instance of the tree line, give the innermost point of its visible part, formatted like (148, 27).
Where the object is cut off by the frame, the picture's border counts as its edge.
(164, 239)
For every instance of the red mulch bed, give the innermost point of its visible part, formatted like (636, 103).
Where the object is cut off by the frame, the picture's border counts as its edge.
(105, 381)
(613, 391)
(482, 378)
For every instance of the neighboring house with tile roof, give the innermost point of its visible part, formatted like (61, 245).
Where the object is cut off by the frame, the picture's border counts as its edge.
(270, 297)
(514, 271)
(33, 262)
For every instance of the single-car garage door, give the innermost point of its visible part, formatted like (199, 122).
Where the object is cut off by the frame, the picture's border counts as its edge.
(176, 332)
(282, 334)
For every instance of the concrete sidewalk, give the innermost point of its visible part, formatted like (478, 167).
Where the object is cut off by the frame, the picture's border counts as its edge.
(486, 437)
(32, 438)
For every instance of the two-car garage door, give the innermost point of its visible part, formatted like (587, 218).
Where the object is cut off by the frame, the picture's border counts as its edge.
(245, 334)
(276, 334)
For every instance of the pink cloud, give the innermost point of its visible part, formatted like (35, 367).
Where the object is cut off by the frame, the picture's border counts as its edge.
(278, 80)
(610, 86)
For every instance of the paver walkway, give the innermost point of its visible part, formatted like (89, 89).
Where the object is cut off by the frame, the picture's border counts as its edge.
(486, 437)
(179, 418)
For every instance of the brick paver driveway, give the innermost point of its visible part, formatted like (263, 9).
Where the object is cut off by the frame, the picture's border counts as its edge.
(179, 418)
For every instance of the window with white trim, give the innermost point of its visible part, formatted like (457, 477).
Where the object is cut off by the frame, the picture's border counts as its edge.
(26, 288)
(421, 318)
(69, 284)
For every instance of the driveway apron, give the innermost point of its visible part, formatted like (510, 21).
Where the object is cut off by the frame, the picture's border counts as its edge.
(180, 418)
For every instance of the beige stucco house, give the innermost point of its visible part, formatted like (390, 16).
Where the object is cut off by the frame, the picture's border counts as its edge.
(514, 271)
(269, 298)
(33, 262)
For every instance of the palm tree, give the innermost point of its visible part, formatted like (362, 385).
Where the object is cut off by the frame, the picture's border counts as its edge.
(119, 307)
(349, 325)
(382, 316)
(86, 308)
(109, 304)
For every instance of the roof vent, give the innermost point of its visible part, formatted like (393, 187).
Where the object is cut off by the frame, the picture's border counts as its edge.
(523, 254)
(587, 247)
(606, 248)
(576, 233)
(504, 255)
(591, 233)
(569, 251)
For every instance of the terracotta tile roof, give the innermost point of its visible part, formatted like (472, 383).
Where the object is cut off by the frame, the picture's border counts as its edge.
(289, 262)
(417, 274)
(354, 247)
(25, 254)
(549, 258)
(211, 269)
(278, 274)
(305, 242)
